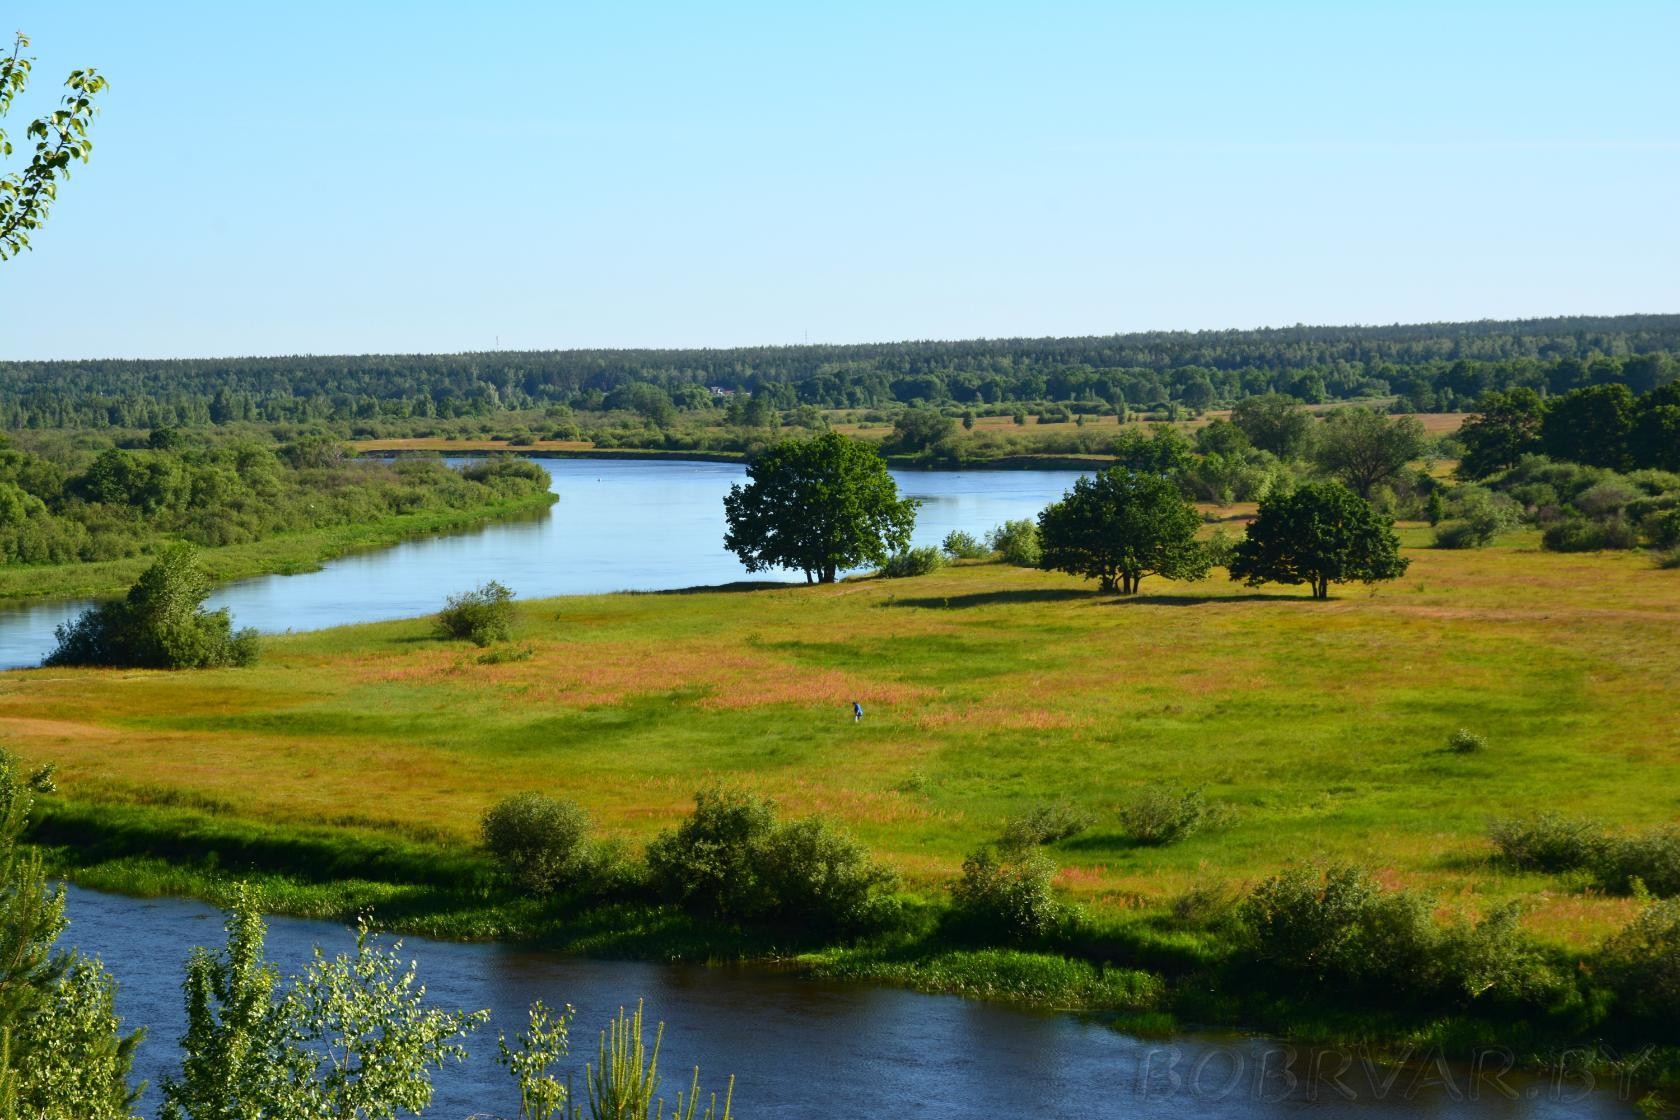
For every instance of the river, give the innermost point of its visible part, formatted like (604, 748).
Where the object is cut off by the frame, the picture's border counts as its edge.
(801, 1049)
(620, 524)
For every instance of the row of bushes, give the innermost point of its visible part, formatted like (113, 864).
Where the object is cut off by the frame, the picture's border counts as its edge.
(731, 860)
(1647, 861)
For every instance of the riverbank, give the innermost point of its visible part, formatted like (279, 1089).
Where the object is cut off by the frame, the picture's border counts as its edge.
(288, 554)
(350, 767)
(578, 449)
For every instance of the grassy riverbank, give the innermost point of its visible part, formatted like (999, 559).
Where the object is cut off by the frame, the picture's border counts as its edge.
(286, 554)
(350, 767)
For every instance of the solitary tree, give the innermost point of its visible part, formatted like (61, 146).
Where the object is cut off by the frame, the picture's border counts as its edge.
(1119, 526)
(160, 624)
(1364, 449)
(820, 506)
(60, 136)
(1320, 534)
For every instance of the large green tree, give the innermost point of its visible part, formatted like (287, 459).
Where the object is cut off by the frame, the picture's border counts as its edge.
(60, 138)
(1120, 525)
(1274, 422)
(819, 506)
(1506, 427)
(1590, 426)
(1363, 449)
(1319, 534)
(1655, 438)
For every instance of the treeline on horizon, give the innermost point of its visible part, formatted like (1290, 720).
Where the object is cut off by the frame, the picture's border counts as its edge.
(1428, 367)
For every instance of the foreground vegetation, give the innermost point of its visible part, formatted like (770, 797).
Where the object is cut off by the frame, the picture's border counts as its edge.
(1210, 739)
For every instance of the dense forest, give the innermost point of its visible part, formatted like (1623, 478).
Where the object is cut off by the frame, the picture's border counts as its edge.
(1430, 367)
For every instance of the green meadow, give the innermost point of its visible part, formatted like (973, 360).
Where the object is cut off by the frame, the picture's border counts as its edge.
(351, 765)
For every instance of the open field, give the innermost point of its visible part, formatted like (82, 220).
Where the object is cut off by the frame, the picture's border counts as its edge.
(988, 690)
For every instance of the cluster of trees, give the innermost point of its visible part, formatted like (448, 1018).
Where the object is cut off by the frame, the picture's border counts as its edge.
(1598, 426)
(128, 501)
(1124, 524)
(827, 504)
(1435, 366)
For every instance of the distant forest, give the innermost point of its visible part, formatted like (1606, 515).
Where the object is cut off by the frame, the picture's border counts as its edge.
(1430, 367)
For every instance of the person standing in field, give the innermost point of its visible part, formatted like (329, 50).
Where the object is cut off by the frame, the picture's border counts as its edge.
(857, 712)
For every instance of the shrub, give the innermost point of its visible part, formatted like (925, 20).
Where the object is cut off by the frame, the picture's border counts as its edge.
(538, 842)
(1662, 530)
(1162, 816)
(160, 624)
(1641, 965)
(1547, 843)
(821, 879)
(1465, 741)
(1046, 824)
(709, 864)
(913, 562)
(481, 616)
(731, 860)
(1016, 542)
(963, 546)
(1338, 926)
(1006, 896)
(1573, 534)
(1652, 859)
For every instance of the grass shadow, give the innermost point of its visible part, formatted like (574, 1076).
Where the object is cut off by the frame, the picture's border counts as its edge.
(996, 598)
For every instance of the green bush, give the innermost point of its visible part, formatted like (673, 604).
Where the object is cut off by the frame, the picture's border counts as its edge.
(1338, 927)
(480, 616)
(1641, 965)
(1547, 843)
(913, 562)
(160, 624)
(821, 879)
(1045, 824)
(539, 843)
(1016, 542)
(1006, 896)
(731, 860)
(1162, 815)
(1465, 741)
(964, 546)
(1575, 534)
(1651, 859)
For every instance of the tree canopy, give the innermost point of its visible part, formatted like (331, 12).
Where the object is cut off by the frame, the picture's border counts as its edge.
(160, 624)
(1319, 534)
(1364, 449)
(1120, 525)
(819, 506)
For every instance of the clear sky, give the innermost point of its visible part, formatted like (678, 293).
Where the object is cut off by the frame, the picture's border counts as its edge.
(353, 177)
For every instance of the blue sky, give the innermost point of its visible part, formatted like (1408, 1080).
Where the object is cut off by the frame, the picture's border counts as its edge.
(323, 178)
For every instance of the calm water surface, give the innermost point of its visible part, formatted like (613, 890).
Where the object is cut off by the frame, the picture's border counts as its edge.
(619, 525)
(801, 1049)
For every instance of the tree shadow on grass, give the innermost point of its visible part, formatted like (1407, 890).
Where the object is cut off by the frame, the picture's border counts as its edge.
(1203, 600)
(997, 598)
(722, 588)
